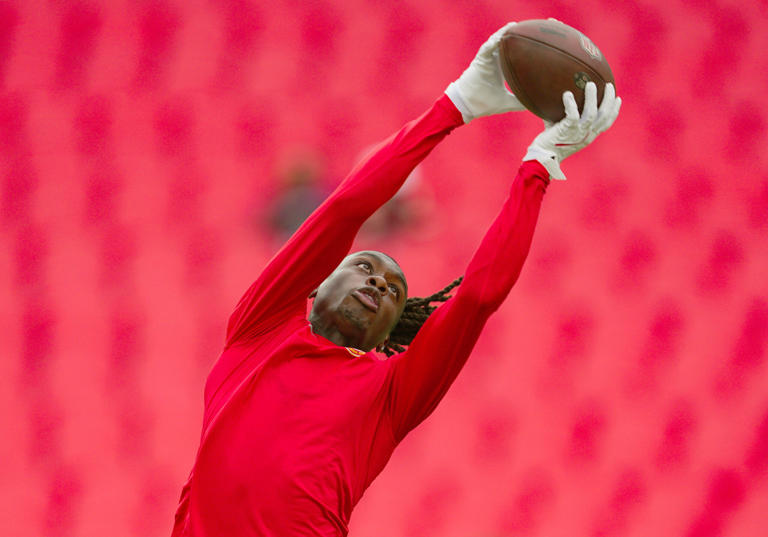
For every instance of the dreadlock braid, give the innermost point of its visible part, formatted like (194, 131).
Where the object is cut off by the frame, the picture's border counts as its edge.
(415, 313)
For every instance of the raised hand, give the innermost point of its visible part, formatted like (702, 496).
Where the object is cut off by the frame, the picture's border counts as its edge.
(480, 90)
(574, 132)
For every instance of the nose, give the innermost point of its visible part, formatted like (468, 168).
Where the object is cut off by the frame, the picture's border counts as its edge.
(378, 282)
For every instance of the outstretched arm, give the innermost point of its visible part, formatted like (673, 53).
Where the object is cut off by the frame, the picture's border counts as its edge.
(326, 236)
(421, 376)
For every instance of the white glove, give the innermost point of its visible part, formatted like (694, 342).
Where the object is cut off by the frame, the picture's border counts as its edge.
(480, 90)
(573, 133)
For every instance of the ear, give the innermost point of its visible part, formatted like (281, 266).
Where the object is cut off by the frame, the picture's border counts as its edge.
(313, 294)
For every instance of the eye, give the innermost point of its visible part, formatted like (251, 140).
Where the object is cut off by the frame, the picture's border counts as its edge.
(394, 289)
(366, 265)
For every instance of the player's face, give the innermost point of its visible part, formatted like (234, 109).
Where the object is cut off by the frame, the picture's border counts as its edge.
(360, 303)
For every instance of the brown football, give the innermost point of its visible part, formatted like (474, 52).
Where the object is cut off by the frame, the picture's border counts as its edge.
(541, 59)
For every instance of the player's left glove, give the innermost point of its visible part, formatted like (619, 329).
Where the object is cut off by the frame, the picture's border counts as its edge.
(573, 133)
(480, 90)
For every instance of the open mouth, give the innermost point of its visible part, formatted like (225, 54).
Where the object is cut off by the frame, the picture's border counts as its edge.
(368, 297)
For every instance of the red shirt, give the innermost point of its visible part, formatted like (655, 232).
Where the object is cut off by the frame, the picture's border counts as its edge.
(295, 427)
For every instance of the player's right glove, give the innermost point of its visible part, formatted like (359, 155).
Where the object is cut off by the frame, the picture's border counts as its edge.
(573, 133)
(480, 90)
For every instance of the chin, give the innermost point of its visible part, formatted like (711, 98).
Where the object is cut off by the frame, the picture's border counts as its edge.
(356, 318)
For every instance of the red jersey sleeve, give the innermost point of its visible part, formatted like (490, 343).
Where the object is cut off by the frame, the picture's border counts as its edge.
(320, 244)
(422, 375)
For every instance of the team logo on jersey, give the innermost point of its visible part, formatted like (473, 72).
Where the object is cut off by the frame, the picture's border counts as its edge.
(355, 352)
(589, 47)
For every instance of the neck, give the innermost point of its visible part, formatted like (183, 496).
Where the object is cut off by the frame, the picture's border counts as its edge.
(332, 333)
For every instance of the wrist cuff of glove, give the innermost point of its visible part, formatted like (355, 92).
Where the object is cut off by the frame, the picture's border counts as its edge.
(546, 158)
(453, 94)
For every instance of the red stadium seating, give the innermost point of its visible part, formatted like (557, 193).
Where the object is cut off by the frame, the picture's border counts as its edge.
(621, 390)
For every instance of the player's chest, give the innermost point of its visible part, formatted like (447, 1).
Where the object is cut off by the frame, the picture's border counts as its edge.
(323, 380)
(317, 375)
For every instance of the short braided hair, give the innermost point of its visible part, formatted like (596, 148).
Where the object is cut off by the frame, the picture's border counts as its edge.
(417, 310)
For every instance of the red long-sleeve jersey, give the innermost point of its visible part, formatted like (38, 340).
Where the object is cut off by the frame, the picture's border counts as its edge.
(295, 427)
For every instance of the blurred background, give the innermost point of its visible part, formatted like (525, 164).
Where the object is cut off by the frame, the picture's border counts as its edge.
(154, 154)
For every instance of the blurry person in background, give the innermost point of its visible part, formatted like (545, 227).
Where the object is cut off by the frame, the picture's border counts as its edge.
(300, 177)
(408, 209)
(301, 414)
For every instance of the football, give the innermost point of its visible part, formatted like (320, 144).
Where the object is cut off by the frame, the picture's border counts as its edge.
(541, 59)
